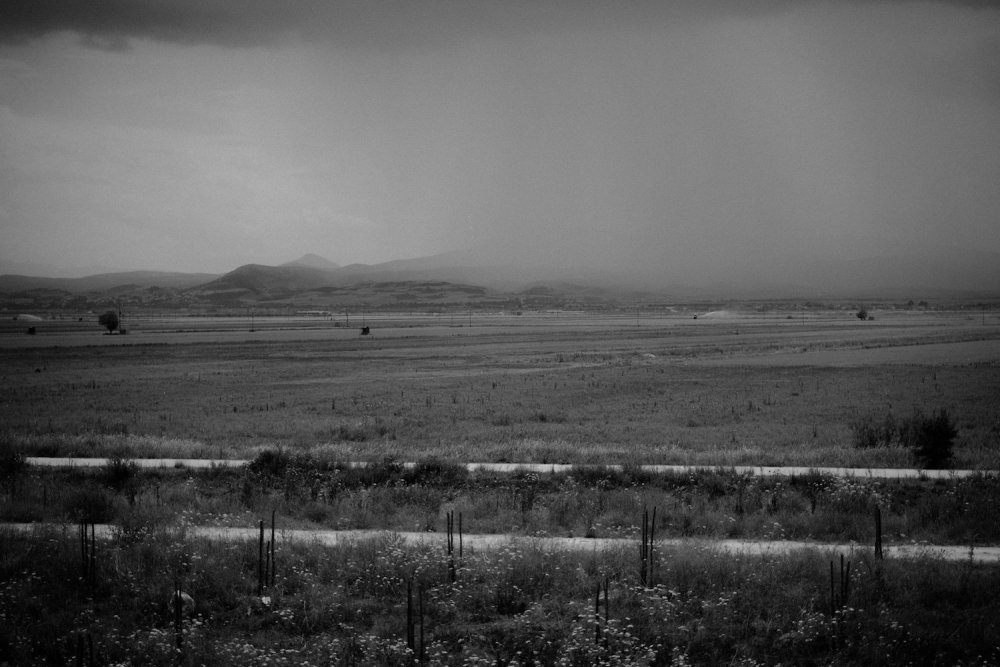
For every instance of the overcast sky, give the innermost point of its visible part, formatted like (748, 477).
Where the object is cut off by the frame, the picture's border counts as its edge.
(199, 135)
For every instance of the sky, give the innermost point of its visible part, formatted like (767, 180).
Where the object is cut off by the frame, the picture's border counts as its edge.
(200, 135)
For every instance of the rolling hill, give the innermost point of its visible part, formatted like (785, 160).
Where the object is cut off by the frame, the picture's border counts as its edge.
(480, 278)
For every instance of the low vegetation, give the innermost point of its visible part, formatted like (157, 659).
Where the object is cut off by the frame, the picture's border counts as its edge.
(311, 492)
(930, 438)
(381, 601)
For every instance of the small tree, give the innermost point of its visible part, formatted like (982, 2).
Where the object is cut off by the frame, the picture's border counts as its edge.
(109, 320)
(862, 314)
(933, 440)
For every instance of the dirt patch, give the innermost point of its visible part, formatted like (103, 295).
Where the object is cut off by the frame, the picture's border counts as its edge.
(931, 354)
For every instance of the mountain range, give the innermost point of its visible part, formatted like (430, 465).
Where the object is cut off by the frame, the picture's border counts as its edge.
(478, 279)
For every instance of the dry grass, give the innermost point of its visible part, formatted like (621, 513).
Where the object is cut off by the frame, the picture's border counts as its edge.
(489, 400)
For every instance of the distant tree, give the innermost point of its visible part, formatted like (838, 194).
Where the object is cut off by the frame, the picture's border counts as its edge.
(862, 314)
(108, 320)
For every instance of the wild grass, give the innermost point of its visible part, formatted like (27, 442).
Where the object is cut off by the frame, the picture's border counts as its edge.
(469, 399)
(309, 492)
(517, 604)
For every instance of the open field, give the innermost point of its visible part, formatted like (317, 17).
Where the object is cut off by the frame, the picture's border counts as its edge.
(753, 390)
(300, 398)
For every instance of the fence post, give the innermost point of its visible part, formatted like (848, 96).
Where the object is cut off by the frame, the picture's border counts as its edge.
(878, 532)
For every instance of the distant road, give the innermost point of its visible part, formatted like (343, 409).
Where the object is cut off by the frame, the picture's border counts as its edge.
(977, 554)
(549, 468)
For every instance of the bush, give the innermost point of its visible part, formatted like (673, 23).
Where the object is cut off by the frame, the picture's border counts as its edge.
(271, 462)
(930, 438)
(933, 440)
(120, 474)
(436, 472)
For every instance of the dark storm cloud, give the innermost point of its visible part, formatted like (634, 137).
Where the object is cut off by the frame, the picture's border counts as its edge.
(110, 21)
(260, 22)
(377, 23)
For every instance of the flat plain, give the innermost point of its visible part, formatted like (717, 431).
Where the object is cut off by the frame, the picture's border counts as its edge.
(301, 397)
(750, 389)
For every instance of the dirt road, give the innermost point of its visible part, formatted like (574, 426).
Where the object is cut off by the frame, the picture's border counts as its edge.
(976, 554)
(556, 468)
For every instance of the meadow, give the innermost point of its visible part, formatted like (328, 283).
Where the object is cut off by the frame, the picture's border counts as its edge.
(545, 389)
(304, 398)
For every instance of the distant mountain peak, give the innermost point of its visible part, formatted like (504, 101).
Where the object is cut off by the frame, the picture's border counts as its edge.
(313, 261)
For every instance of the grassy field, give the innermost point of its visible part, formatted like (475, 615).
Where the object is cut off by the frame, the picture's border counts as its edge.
(544, 389)
(302, 398)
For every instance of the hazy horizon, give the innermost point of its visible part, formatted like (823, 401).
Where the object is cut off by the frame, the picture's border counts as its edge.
(646, 136)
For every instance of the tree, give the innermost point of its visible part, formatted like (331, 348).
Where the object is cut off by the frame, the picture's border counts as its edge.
(862, 314)
(934, 438)
(108, 320)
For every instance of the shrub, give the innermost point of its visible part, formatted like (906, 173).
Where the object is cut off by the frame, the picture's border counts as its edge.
(387, 471)
(437, 472)
(930, 438)
(933, 440)
(120, 474)
(271, 462)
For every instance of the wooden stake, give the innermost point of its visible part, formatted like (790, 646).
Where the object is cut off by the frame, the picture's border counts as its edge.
(178, 620)
(260, 561)
(409, 617)
(597, 615)
(420, 602)
(878, 532)
(607, 606)
(652, 553)
(274, 561)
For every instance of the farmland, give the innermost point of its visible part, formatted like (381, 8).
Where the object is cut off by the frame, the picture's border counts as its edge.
(301, 397)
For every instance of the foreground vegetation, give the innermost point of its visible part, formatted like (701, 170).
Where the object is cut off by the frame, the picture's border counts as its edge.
(314, 493)
(520, 604)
